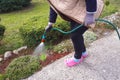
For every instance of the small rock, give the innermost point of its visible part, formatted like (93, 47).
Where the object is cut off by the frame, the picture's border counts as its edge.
(15, 52)
(106, 33)
(1, 59)
(22, 48)
(7, 54)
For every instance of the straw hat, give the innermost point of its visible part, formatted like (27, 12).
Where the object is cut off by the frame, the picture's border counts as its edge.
(74, 9)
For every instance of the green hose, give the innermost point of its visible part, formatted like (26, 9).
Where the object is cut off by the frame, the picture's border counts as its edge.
(101, 20)
(68, 32)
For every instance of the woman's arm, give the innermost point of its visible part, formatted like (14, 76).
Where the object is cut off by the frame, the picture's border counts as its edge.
(91, 6)
(52, 16)
(52, 19)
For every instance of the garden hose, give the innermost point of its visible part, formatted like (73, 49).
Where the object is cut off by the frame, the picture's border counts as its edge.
(68, 32)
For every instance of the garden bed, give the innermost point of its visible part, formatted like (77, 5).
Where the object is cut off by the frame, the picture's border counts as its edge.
(101, 32)
(49, 59)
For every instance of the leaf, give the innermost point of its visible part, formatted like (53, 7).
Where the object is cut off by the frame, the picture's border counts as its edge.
(43, 57)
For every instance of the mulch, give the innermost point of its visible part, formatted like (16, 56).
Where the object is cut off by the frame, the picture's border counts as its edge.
(49, 59)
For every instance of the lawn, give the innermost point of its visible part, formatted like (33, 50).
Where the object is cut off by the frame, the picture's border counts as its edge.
(14, 20)
(115, 3)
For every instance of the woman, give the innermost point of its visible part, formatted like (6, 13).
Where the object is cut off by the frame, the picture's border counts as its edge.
(77, 36)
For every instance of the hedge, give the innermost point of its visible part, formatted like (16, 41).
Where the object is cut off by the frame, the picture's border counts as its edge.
(33, 29)
(11, 5)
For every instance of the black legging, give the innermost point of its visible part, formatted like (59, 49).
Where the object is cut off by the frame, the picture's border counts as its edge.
(78, 40)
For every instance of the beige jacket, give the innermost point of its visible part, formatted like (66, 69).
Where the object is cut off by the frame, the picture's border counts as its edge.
(74, 9)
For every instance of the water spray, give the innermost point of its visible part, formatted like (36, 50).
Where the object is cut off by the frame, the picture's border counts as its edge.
(41, 47)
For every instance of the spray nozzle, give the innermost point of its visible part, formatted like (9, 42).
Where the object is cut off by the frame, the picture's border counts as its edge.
(43, 38)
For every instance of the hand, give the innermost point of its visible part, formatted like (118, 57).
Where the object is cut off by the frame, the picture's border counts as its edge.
(48, 27)
(89, 19)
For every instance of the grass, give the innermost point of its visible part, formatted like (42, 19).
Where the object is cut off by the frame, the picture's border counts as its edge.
(115, 3)
(111, 8)
(14, 20)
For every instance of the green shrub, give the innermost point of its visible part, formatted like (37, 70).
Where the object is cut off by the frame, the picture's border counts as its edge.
(90, 36)
(33, 29)
(10, 5)
(2, 30)
(64, 46)
(22, 67)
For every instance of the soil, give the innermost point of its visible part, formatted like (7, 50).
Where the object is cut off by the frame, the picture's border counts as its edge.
(6, 62)
(101, 32)
(49, 59)
(53, 57)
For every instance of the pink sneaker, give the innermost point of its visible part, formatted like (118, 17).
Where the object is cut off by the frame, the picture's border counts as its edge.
(71, 62)
(84, 54)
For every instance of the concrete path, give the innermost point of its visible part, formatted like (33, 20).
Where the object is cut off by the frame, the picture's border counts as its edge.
(103, 63)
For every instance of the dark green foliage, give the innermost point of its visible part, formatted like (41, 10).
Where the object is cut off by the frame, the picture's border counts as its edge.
(11, 5)
(33, 30)
(107, 2)
(2, 30)
(22, 67)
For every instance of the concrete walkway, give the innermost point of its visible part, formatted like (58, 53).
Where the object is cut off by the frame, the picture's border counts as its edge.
(103, 63)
